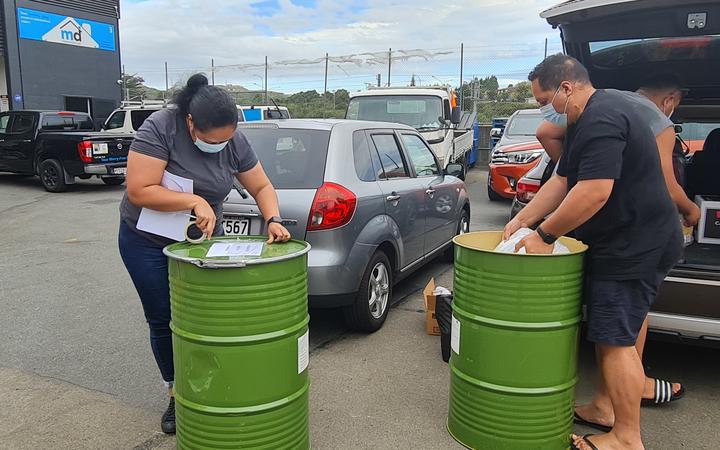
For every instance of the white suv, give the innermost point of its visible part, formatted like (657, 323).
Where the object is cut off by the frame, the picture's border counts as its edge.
(130, 115)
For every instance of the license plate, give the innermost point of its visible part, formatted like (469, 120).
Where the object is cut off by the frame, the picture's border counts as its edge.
(234, 226)
(119, 171)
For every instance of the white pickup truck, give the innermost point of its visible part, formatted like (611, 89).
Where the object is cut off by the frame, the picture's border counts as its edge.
(433, 111)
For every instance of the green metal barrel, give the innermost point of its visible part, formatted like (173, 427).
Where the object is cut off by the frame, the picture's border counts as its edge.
(514, 338)
(240, 342)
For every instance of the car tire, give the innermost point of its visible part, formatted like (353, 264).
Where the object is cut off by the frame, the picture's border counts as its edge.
(372, 302)
(113, 181)
(52, 176)
(463, 226)
(493, 196)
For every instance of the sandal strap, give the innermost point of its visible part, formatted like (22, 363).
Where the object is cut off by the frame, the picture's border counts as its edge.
(663, 391)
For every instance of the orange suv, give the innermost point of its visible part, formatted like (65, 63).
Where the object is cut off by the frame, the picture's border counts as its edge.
(515, 154)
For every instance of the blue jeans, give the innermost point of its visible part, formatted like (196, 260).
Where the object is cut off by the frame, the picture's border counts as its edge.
(148, 268)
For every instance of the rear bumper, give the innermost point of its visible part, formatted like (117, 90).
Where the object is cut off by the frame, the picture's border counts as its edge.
(699, 329)
(516, 207)
(503, 178)
(104, 169)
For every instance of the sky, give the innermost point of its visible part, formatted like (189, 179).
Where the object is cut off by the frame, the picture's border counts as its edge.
(505, 38)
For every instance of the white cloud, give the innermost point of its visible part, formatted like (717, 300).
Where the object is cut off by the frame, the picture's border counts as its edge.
(501, 36)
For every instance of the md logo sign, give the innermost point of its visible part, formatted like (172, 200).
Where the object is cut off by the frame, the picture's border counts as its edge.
(57, 29)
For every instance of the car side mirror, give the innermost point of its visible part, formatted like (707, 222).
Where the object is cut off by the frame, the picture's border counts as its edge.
(678, 129)
(496, 133)
(456, 115)
(455, 170)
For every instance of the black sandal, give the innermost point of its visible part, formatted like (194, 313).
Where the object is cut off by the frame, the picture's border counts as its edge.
(598, 426)
(663, 394)
(587, 441)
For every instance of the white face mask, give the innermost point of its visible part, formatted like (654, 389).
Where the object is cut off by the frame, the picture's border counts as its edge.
(209, 148)
(552, 116)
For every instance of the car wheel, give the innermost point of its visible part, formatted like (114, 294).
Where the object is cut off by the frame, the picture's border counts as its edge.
(493, 196)
(372, 303)
(52, 176)
(113, 181)
(463, 227)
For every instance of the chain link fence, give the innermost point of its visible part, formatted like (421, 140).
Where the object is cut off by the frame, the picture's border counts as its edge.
(490, 79)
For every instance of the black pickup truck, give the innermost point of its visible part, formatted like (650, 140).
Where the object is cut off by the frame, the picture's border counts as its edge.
(59, 147)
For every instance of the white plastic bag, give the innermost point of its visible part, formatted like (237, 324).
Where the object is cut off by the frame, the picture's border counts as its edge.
(509, 245)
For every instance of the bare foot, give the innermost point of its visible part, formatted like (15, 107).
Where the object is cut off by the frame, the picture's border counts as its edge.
(649, 390)
(592, 413)
(605, 442)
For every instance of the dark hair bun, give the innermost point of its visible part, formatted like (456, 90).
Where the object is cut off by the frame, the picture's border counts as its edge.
(197, 81)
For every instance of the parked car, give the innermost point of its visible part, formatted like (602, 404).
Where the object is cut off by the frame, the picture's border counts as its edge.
(370, 197)
(620, 43)
(130, 116)
(60, 146)
(255, 113)
(517, 151)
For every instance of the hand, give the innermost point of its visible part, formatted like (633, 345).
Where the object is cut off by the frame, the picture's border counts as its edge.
(512, 227)
(205, 216)
(692, 217)
(534, 244)
(277, 233)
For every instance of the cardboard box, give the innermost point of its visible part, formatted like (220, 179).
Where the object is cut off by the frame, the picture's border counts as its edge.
(708, 230)
(431, 325)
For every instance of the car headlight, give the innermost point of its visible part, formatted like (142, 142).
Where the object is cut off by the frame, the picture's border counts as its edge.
(523, 157)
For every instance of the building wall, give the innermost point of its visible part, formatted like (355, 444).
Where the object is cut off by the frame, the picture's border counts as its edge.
(42, 73)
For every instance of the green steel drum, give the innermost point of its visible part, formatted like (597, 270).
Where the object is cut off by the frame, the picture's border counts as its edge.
(515, 337)
(240, 342)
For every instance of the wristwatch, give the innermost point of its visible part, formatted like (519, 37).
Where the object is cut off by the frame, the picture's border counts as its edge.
(546, 237)
(275, 219)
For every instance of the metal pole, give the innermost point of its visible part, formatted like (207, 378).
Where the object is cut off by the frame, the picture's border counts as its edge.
(389, 65)
(379, 79)
(167, 83)
(266, 80)
(124, 83)
(546, 42)
(212, 71)
(327, 60)
(462, 63)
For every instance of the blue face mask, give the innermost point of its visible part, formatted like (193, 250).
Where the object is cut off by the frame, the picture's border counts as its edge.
(209, 148)
(552, 116)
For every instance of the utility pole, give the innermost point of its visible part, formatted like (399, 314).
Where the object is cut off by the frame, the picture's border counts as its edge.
(546, 42)
(212, 71)
(327, 60)
(412, 81)
(462, 61)
(266, 81)
(379, 80)
(167, 84)
(389, 65)
(124, 82)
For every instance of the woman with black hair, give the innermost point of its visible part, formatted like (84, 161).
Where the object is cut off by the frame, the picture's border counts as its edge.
(199, 141)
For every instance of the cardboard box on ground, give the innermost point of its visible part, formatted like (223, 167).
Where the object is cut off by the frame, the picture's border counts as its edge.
(431, 324)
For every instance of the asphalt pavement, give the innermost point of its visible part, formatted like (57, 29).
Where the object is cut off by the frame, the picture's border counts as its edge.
(76, 370)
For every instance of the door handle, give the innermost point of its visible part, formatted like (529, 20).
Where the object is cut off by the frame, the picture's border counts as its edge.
(392, 198)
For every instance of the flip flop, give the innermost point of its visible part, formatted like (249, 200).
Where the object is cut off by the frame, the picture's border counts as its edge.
(587, 441)
(663, 394)
(598, 426)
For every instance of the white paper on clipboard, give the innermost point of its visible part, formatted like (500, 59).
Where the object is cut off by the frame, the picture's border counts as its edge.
(168, 224)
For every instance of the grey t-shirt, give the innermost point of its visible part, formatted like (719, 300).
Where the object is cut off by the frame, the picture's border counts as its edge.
(647, 110)
(165, 136)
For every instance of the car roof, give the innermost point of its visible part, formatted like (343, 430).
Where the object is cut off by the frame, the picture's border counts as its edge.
(323, 124)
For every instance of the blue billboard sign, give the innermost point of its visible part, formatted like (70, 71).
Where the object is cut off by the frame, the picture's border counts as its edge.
(48, 27)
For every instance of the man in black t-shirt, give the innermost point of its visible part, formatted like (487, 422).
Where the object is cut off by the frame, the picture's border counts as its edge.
(609, 189)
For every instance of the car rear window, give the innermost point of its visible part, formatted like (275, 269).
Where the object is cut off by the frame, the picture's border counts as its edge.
(633, 52)
(697, 131)
(66, 122)
(292, 158)
(138, 116)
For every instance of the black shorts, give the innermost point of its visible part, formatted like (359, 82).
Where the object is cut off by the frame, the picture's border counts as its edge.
(616, 309)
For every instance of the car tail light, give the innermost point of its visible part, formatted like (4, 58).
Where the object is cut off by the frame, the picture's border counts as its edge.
(85, 151)
(526, 190)
(333, 207)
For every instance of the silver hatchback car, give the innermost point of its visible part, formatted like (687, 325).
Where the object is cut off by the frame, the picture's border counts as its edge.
(369, 197)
